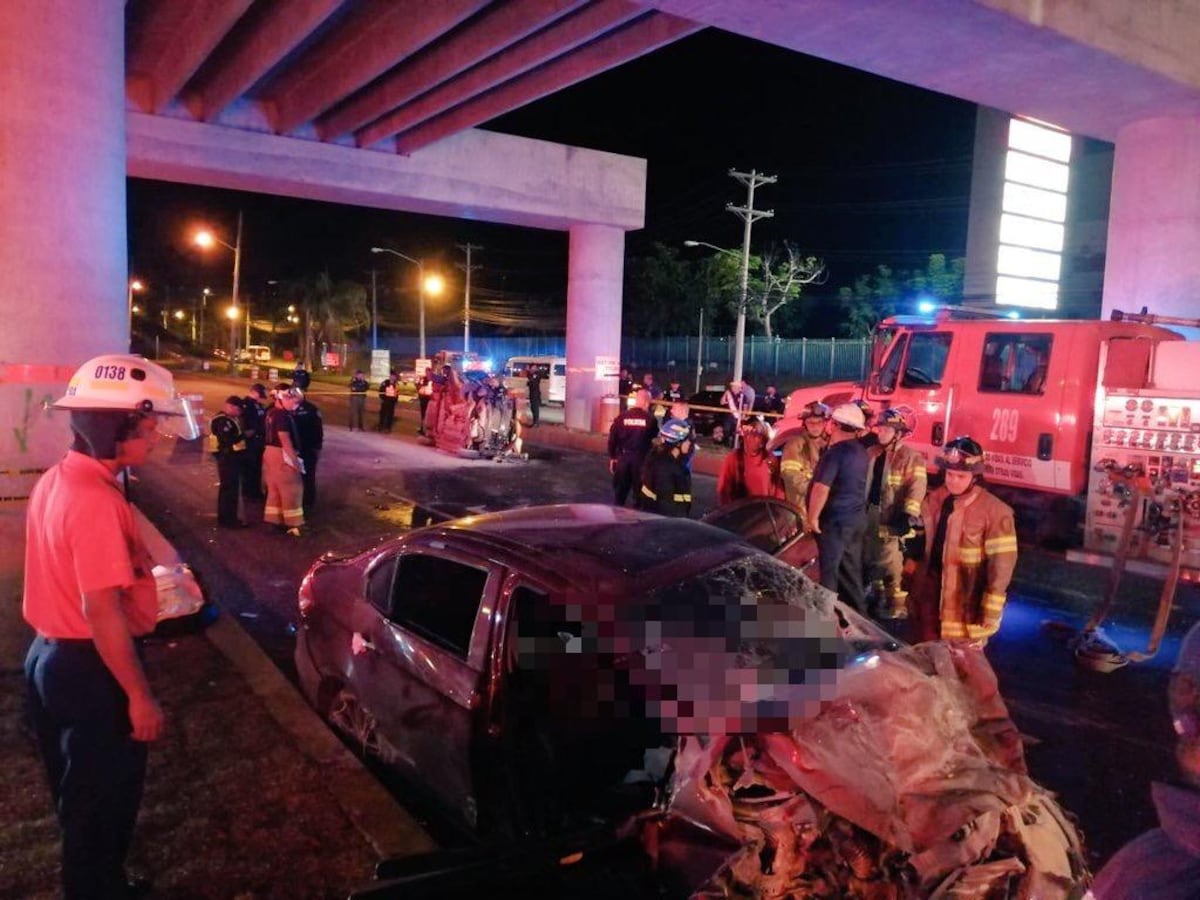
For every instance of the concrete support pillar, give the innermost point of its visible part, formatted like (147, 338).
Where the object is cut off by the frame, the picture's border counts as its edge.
(62, 214)
(594, 277)
(1153, 256)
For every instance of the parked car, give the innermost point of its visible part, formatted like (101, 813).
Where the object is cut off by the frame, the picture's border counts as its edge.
(514, 663)
(704, 420)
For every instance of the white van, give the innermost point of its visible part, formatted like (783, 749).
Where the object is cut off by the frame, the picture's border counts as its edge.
(552, 368)
(254, 353)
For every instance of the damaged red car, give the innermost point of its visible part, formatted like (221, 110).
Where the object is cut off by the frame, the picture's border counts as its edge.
(544, 667)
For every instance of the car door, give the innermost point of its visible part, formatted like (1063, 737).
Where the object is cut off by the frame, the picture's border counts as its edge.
(772, 525)
(424, 668)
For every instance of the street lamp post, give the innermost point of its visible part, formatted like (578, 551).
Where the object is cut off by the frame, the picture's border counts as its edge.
(206, 239)
(232, 313)
(134, 285)
(203, 313)
(432, 285)
(739, 334)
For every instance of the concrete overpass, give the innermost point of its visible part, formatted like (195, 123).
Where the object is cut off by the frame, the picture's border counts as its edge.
(375, 102)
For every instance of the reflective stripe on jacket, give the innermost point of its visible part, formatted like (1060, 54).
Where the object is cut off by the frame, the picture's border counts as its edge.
(800, 456)
(977, 562)
(904, 484)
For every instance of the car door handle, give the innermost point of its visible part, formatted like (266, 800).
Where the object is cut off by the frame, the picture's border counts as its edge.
(360, 644)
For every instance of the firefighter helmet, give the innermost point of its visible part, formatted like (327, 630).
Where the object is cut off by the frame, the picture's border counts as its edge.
(674, 431)
(120, 382)
(849, 414)
(815, 410)
(901, 418)
(963, 454)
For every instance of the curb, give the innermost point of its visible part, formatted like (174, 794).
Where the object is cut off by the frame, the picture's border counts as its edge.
(382, 821)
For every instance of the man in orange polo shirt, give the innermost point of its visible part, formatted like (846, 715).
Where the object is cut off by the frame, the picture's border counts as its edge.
(89, 594)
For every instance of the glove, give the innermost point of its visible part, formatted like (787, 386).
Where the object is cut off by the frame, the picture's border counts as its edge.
(902, 524)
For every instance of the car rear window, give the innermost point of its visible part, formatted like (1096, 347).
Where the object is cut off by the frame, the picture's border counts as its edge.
(438, 599)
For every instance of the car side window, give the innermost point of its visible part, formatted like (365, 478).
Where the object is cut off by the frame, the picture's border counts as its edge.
(379, 584)
(753, 523)
(1015, 363)
(438, 599)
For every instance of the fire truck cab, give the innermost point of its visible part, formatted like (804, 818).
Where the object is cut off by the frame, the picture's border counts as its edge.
(1025, 389)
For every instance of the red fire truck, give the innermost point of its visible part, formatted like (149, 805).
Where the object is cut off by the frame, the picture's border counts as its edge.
(1037, 395)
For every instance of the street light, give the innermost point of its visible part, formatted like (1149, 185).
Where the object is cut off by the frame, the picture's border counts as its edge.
(205, 239)
(134, 286)
(433, 285)
(739, 334)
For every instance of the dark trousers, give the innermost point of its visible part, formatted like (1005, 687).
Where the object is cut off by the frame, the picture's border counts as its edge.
(252, 486)
(358, 405)
(387, 413)
(839, 548)
(535, 407)
(229, 473)
(96, 770)
(423, 402)
(626, 477)
(311, 458)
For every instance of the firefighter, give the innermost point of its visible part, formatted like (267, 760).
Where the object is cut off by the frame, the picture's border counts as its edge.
(749, 470)
(895, 492)
(228, 445)
(666, 482)
(837, 506)
(967, 556)
(283, 467)
(801, 452)
(89, 595)
(629, 440)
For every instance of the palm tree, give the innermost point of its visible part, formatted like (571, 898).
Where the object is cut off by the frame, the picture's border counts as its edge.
(329, 310)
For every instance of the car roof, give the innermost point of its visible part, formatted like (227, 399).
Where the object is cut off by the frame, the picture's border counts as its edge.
(598, 547)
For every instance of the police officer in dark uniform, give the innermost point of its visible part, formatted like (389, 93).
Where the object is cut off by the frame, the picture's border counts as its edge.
(310, 429)
(666, 480)
(300, 377)
(625, 387)
(254, 420)
(228, 445)
(533, 380)
(629, 440)
(358, 399)
(673, 393)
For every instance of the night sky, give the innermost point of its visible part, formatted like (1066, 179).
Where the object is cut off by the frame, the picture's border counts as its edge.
(870, 171)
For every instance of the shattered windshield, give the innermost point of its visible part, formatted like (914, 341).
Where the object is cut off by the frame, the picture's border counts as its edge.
(750, 646)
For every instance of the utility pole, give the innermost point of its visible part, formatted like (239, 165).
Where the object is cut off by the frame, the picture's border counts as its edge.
(749, 215)
(374, 314)
(467, 267)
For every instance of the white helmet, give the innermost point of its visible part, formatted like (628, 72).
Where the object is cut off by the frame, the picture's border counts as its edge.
(123, 382)
(849, 414)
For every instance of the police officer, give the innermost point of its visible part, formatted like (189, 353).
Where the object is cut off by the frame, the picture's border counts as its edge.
(674, 393)
(300, 377)
(837, 512)
(228, 445)
(967, 555)
(801, 450)
(388, 394)
(424, 395)
(358, 399)
(533, 380)
(310, 429)
(629, 440)
(254, 417)
(770, 402)
(666, 481)
(895, 492)
(89, 595)
(625, 387)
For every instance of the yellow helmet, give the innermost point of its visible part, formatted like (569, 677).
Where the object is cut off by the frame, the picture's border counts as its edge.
(122, 382)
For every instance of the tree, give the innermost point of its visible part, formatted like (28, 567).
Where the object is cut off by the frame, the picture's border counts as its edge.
(328, 310)
(780, 277)
(878, 295)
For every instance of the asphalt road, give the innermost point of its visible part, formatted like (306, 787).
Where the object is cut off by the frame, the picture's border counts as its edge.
(1097, 740)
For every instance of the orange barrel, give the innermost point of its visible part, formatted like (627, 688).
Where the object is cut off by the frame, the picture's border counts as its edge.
(606, 409)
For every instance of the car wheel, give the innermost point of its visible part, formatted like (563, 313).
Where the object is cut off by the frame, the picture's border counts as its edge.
(357, 724)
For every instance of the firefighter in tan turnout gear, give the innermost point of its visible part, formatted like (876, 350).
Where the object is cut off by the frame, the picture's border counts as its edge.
(801, 450)
(895, 492)
(968, 553)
